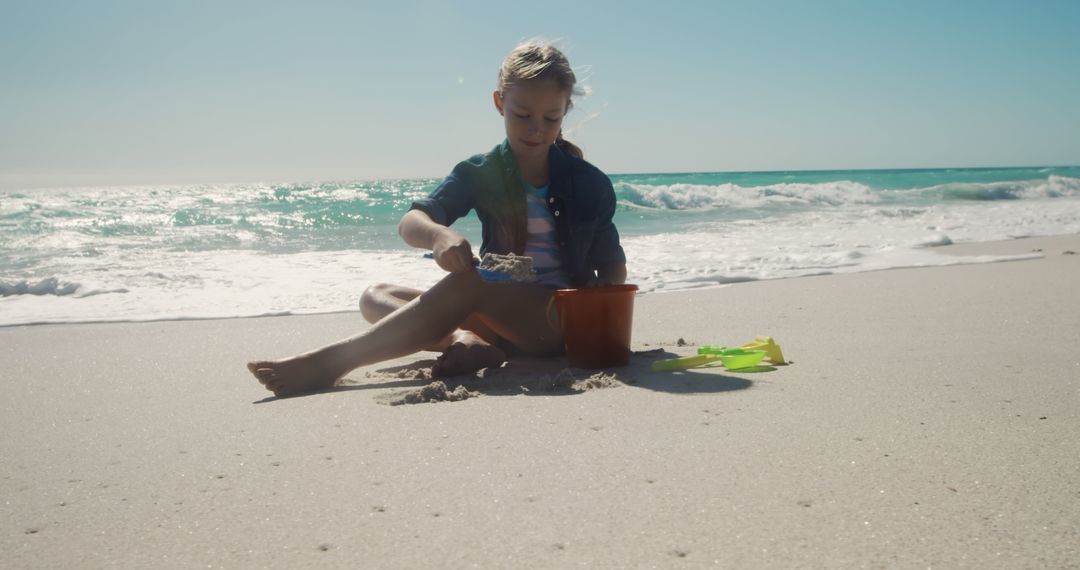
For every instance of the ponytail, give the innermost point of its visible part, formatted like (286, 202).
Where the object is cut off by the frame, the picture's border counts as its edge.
(568, 147)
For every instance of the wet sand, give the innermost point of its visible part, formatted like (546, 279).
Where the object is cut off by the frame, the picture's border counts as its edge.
(929, 418)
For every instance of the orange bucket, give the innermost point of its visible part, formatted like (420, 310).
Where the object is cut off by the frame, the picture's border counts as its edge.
(596, 323)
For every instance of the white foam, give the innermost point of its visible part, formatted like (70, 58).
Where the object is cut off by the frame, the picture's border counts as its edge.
(217, 284)
(1054, 186)
(47, 286)
(698, 196)
(836, 241)
(75, 275)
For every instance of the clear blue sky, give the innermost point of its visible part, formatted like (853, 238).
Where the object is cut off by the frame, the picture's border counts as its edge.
(130, 92)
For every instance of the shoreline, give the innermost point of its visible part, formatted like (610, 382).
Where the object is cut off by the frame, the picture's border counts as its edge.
(1013, 248)
(928, 418)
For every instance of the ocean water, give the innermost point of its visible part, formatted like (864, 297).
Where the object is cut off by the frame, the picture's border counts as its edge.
(211, 251)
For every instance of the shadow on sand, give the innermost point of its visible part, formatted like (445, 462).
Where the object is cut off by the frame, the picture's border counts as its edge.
(413, 382)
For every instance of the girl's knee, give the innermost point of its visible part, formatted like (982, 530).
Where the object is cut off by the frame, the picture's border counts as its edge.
(381, 299)
(380, 292)
(371, 293)
(376, 290)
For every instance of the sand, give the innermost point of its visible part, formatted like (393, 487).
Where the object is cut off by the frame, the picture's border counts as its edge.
(929, 418)
(516, 267)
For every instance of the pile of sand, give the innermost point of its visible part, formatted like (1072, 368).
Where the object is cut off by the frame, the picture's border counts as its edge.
(496, 382)
(518, 268)
(565, 379)
(434, 392)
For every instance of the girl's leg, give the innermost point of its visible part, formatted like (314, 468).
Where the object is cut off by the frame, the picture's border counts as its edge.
(470, 347)
(514, 311)
(381, 299)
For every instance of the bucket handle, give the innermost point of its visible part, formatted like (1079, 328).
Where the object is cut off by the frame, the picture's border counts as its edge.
(548, 314)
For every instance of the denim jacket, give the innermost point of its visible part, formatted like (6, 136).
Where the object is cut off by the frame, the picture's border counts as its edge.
(581, 201)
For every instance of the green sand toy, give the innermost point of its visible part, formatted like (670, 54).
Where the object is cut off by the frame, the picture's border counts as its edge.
(731, 358)
(683, 362)
(736, 358)
(744, 359)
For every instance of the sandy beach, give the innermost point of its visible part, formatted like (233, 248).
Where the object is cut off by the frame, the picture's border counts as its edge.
(929, 418)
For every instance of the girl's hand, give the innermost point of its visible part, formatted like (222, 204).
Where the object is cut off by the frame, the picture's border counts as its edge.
(452, 252)
(614, 274)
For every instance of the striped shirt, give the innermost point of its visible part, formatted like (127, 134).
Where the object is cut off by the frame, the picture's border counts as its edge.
(541, 244)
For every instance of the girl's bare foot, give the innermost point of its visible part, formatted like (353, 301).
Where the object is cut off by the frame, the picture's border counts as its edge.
(292, 376)
(467, 353)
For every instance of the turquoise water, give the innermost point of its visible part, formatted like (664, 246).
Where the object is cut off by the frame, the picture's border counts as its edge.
(199, 251)
(723, 195)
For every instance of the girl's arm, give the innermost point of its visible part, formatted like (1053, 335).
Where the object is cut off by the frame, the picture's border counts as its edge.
(451, 251)
(613, 274)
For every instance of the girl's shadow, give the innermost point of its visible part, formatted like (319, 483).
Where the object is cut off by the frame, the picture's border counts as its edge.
(540, 376)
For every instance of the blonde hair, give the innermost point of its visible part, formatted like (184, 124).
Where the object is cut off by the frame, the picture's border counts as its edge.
(539, 60)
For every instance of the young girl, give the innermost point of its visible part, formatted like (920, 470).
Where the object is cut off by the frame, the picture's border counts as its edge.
(535, 196)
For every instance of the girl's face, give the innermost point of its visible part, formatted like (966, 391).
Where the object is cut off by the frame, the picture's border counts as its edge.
(533, 112)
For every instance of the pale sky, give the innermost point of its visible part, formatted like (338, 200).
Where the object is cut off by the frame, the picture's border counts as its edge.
(160, 92)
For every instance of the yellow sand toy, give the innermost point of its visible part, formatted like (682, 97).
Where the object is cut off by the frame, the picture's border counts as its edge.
(766, 343)
(745, 356)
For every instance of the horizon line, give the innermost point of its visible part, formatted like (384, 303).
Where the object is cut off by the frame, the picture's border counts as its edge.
(641, 173)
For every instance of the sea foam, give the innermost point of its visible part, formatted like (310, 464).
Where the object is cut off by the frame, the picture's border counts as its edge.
(697, 196)
(234, 250)
(48, 286)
